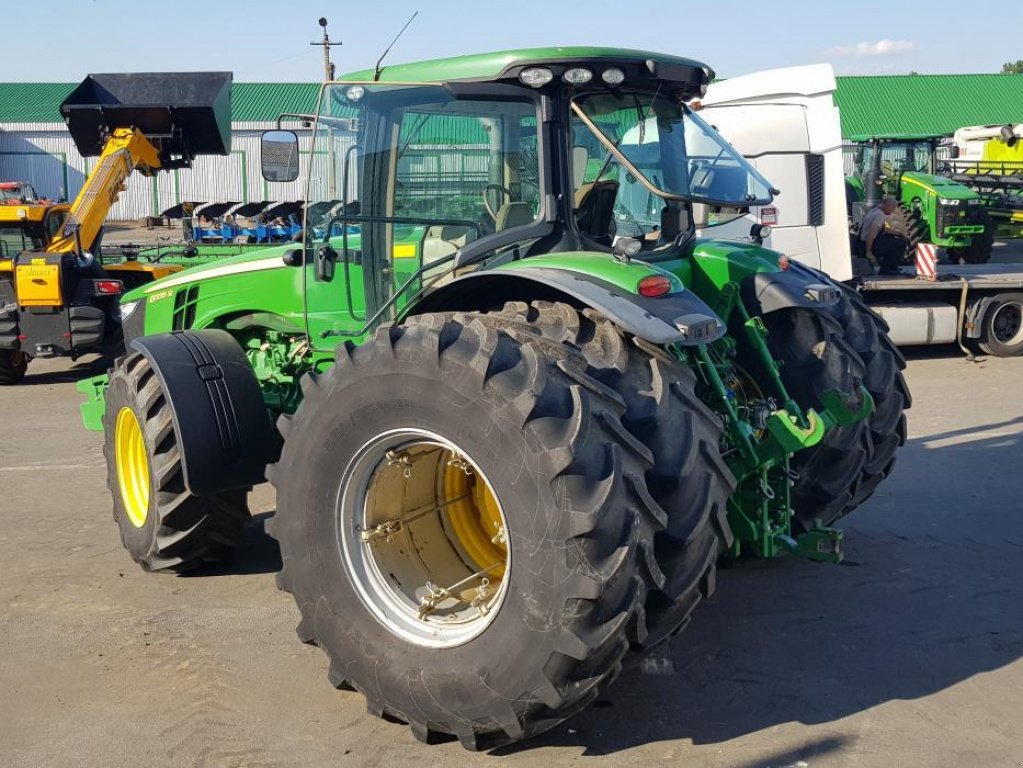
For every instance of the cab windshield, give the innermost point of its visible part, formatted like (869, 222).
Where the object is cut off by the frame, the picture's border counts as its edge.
(644, 149)
(897, 157)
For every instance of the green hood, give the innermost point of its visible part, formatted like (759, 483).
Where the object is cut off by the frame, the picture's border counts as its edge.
(938, 185)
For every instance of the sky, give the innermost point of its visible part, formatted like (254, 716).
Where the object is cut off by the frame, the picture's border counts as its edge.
(268, 40)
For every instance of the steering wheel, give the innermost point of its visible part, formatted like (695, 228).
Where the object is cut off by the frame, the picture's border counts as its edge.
(486, 198)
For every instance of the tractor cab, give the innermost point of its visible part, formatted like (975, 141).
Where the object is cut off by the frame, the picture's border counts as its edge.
(18, 193)
(421, 173)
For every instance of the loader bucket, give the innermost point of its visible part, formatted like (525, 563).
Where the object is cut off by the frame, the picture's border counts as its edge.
(183, 114)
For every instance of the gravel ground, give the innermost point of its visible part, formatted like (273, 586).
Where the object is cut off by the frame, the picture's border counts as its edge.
(908, 655)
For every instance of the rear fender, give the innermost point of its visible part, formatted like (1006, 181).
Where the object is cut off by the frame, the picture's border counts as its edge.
(676, 318)
(222, 424)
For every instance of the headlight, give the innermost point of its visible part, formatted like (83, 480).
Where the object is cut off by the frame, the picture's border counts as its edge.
(943, 201)
(613, 76)
(128, 309)
(578, 76)
(536, 77)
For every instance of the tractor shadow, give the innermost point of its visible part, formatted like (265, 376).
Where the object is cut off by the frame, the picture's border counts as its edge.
(63, 371)
(259, 553)
(929, 597)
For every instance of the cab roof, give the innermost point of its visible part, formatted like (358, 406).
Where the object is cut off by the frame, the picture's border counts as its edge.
(505, 65)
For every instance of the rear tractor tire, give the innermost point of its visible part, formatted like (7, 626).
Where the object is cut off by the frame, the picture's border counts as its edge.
(906, 223)
(688, 480)
(162, 525)
(13, 364)
(466, 528)
(841, 350)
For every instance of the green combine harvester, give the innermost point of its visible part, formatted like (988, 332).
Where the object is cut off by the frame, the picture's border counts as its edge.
(514, 410)
(932, 207)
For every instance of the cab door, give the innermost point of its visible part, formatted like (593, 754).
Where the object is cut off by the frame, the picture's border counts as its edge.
(403, 177)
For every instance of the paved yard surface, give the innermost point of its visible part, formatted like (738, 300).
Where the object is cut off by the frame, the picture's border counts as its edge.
(909, 655)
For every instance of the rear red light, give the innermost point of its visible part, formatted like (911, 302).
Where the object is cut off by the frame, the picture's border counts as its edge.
(108, 286)
(654, 285)
(769, 216)
(783, 262)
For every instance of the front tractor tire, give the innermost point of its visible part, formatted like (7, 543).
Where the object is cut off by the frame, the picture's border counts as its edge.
(841, 350)
(13, 364)
(980, 247)
(162, 525)
(465, 526)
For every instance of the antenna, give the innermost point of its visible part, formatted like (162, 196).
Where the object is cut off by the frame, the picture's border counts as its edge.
(328, 68)
(376, 70)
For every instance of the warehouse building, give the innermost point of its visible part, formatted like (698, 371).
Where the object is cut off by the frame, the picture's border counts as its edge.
(36, 147)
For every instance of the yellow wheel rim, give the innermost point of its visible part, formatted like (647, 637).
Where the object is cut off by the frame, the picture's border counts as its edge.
(476, 519)
(424, 537)
(132, 466)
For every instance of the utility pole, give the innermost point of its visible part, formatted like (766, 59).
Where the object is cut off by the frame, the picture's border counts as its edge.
(328, 68)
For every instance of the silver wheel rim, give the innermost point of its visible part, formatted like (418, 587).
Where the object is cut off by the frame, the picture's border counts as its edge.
(421, 540)
(1007, 323)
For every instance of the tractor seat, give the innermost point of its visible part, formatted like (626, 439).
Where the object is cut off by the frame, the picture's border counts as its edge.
(513, 215)
(594, 210)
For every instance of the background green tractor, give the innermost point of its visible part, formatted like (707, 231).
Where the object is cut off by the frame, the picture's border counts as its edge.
(932, 208)
(520, 410)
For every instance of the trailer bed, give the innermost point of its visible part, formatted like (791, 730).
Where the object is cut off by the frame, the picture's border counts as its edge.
(979, 276)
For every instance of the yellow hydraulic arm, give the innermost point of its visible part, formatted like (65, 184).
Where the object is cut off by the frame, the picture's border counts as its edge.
(126, 150)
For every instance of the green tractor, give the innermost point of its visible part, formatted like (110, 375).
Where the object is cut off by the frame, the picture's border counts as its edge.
(932, 208)
(514, 410)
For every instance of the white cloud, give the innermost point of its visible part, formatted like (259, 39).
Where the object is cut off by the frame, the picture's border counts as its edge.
(880, 48)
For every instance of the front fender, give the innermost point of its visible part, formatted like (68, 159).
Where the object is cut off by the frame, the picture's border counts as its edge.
(223, 428)
(680, 317)
(766, 292)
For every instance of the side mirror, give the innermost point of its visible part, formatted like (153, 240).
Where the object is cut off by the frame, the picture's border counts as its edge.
(278, 152)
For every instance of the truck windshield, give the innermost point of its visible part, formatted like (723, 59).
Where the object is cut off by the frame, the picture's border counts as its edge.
(653, 141)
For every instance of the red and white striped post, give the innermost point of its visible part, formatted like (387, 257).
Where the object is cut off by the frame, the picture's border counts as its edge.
(926, 261)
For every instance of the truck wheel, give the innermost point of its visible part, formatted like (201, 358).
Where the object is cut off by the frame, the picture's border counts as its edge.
(688, 481)
(13, 364)
(980, 247)
(465, 527)
(840, 351)
(163, 526)
(1002, 331)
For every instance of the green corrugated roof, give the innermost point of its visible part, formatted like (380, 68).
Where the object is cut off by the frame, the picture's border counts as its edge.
(32, 102)
(251, 102)
(257, 102)
(929, 105)
(897, 104)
